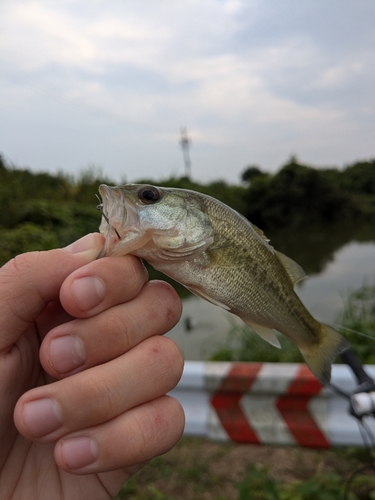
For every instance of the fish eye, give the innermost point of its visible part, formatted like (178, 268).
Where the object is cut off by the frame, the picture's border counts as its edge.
(149, 194)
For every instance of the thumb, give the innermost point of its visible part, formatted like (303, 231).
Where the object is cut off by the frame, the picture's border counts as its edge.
(31, 280)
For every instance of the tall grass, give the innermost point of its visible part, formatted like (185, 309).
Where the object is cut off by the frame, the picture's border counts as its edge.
(243, 344)
(357, 323)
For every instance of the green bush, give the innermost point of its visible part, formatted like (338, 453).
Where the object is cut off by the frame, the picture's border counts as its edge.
(359, 318)
(25, 237)
(297, 196)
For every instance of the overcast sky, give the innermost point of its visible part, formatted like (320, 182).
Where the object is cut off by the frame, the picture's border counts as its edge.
(111, 82)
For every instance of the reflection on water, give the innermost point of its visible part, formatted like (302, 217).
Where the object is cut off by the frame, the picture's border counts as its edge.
(353, 266)
(314, 248)
(336, 261)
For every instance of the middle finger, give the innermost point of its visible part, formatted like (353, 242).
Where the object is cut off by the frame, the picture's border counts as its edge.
(83, 343)
(102, 284)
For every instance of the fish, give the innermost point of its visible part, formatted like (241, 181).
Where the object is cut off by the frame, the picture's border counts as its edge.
(220, 256)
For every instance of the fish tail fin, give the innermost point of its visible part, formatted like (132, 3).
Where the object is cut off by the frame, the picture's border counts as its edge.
(320, 356)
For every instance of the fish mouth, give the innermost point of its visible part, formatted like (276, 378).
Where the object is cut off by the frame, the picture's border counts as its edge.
(120, 222)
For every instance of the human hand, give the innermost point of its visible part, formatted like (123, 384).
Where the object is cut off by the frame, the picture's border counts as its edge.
(84, 373)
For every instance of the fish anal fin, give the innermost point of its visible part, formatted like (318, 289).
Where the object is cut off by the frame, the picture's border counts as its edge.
(320, 356)
(294, 270)
(267, 334)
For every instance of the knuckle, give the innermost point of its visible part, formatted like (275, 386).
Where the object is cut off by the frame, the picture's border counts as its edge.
(160, 426)
(176, 361)
(167, 354)
(14, 274)
(20, 265)
(166, 304)
(116, 326)
(175, 418)
(100, 387)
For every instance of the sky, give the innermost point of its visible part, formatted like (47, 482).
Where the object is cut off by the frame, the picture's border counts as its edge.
(110, 83)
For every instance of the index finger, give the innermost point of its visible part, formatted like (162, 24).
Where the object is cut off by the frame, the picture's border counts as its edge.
(102, 284)
(31, 280)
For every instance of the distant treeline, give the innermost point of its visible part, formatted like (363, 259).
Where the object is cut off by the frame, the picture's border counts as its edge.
(299, 195)
(42, 211)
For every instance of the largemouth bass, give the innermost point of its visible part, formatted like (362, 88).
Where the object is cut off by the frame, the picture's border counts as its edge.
(220, 256)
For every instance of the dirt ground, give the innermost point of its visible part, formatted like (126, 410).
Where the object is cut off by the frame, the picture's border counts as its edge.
(200, 469)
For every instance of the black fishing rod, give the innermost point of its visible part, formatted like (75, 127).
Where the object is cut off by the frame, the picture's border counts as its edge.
(362, 399)
(361, 405)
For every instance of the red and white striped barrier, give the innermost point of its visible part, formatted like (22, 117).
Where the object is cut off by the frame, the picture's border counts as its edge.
(267, 403)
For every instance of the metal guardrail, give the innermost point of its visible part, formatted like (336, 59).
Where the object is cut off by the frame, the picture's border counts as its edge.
(268, 403)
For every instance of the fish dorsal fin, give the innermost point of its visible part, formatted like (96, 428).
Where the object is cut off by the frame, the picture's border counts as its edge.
(260, 232)
(294, 270)
(267, 334)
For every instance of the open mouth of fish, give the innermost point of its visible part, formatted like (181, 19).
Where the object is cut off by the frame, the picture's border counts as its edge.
(120, 223)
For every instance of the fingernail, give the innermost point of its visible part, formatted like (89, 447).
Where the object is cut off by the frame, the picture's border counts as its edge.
(78, 452)
(92, 242)
(66, 353)
(42, 416)
(87, 292)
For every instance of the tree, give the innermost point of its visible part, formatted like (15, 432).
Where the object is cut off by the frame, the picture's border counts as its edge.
(250, 173)
(295, 196)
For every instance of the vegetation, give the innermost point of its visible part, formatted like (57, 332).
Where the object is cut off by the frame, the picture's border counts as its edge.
(299, 195)
(243, 344)
(359, 316)
(357, 323)
(42, 211)
(197, 469)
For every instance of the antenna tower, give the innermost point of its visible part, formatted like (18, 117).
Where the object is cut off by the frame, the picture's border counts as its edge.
(185, 143)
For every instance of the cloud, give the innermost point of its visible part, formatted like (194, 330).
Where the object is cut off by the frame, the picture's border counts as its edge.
(253, 81)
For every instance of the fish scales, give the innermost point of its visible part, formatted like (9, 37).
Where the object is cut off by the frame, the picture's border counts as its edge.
(220, 256)
(250, 262)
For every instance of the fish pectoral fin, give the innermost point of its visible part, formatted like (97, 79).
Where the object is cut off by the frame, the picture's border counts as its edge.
(294, 270)
(267, 334)
(176, 247)
(204, 296)
(183, 253)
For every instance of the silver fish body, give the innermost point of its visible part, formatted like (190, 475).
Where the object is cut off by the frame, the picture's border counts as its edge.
(220, 256)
